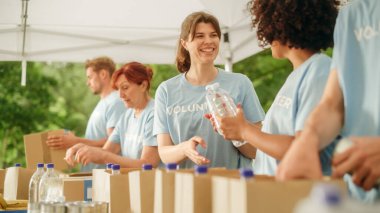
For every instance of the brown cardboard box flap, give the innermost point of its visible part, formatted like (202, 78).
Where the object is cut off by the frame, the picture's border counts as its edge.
(260, 195)
(74, 188)
(141, 191)
(37, 151)
(112, 188)
(164, 194)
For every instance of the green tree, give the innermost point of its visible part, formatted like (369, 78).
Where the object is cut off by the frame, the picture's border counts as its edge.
(22, 109)
(160, 74)
(266, 73)
(74, 101)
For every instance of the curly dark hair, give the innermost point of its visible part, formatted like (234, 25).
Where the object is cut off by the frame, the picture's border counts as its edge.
(304, 24)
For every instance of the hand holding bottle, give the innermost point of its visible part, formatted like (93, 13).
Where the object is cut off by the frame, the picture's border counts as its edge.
(220, 105)
(231, 128)
(361, 157)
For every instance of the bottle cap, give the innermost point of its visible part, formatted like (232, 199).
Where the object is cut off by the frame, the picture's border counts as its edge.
(246, 173)
(147, 166)
(115, 167)
(17, 164)
(109, 165)
(332, 199)
(50, 165)
(213, 86)
(171, 166)
(40, 165)
(200, 169)
(326, 194)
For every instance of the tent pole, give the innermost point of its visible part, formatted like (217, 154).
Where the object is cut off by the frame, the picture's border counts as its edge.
(24, 18)
(227, 52)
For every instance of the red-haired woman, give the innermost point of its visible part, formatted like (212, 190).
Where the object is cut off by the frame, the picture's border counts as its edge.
(132, 143)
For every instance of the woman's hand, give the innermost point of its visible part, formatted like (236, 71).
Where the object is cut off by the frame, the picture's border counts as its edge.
(190, 151)
(84, 154)
(70, 157)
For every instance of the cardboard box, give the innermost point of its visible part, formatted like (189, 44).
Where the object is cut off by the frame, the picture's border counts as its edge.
(113, 189)
(164, 193)
(16, 183)
(2, 178)
(77, 188)
(37, 151)
(141, 191)
(261, 194)
(164, 190)
(193, 194)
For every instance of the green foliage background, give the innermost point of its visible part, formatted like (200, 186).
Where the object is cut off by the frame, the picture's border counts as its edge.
(56, 96)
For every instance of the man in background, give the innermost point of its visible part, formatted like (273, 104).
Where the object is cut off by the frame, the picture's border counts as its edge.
(105, 115)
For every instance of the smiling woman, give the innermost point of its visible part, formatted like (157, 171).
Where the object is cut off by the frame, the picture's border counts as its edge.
(132, 136)
(183, 134)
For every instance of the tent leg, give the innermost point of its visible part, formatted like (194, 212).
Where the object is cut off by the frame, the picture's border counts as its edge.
(23, 73)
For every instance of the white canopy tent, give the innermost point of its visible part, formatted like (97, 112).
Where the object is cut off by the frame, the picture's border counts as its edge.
(126, 30)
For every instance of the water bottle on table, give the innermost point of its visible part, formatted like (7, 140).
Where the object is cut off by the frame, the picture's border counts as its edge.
(51, 186)
(246, 174)
(147, 167)
(170, 167)
(200, 170)
(33, 202)
(115, 169)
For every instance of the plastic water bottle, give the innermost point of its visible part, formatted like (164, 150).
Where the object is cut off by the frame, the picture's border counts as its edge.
(109, 166)
(324, 198)
(147, 167)
(170, 167)
(200, 169)
(327, 198)
(246, 174)
(115, 169)
(51, 186)
(33, 202)
(220, 104)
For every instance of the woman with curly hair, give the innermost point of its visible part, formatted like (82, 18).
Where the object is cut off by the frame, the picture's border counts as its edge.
(297, 31)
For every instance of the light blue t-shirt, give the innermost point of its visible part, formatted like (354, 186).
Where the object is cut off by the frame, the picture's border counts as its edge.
(105, 115)
(134, 133)
(356, 58)
(180, 108)
(299, 95)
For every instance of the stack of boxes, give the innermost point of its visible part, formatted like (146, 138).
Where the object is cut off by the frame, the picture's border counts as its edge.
(159, 191)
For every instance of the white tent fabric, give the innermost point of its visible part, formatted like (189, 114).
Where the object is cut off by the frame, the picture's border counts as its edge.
(141, 30)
